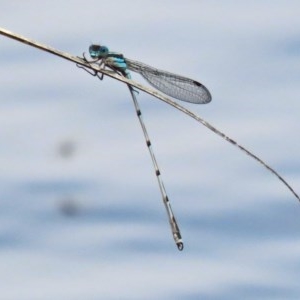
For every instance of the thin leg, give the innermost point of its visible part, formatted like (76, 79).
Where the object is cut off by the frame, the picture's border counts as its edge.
(172, 220)
(99, 62)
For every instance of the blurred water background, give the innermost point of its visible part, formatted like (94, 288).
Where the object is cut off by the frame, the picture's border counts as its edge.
(81, 215)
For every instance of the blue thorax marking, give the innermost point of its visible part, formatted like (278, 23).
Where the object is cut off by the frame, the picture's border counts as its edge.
(112, 59)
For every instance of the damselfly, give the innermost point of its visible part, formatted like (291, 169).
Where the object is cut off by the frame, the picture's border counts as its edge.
(174, 85)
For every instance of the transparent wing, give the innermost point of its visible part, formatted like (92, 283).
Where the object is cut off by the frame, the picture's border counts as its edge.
(173, 85)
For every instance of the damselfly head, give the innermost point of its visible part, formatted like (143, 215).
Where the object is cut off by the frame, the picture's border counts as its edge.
(97, 51)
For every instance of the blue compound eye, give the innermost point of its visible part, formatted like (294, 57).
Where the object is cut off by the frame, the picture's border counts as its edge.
(94, 51)
(97, 51)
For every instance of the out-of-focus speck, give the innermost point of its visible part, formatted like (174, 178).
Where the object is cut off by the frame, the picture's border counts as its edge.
(69, 207)
(66, 149)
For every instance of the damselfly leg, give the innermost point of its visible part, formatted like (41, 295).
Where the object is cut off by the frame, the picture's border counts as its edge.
(100, 62)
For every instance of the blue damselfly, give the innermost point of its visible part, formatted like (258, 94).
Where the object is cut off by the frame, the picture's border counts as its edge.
(171, 84)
